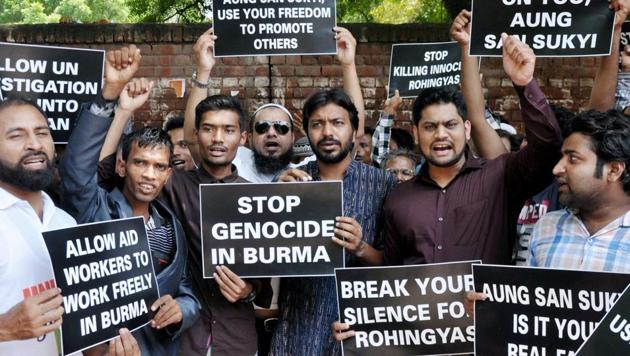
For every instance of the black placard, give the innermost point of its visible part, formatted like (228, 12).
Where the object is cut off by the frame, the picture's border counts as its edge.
(417, 66)
(537, 311)
(261, 28)
(550, 27)
(106, 278)
(406, 310)
(271, 229)
(59, 79)
(612, 336)
(625, 35)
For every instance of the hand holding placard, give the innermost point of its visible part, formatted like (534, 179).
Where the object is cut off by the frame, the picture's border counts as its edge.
(120, 66)
(204, 54)
(519, 60)
(294, 175)
(349, 235)
(622, 8)
(124, 345)
(460, 30)
(169, 312)
(232, 286)
(346, 46)
(33, 317)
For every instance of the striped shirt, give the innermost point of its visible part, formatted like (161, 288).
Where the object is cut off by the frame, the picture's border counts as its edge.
(161, 236)
(308, 306)
(561, 240)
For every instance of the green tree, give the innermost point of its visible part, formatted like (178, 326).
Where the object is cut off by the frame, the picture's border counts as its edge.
(170, 10)
(46, 11)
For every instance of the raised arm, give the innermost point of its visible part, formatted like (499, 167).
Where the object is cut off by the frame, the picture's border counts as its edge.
(383, 129)
(529, 170)
(346, 51)
(78, 169)
(133, 96)
(603, 92)
(203, 54)
(486, 140)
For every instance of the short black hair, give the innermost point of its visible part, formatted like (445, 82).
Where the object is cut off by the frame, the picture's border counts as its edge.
(325, 97)
(147, 137)
(20, 101)
(218, 103)
(563, 116)
(441, 95)
(403, 138)
(368, 131)
(174, 122)
(610, 139)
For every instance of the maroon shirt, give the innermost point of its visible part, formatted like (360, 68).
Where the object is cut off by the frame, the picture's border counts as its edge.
(474, 216)
(232, 324)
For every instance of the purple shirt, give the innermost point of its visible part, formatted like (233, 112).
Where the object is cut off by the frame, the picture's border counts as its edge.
(474, 216)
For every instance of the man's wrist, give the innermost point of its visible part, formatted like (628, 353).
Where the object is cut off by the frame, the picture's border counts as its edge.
(250, 296)
(111, 92)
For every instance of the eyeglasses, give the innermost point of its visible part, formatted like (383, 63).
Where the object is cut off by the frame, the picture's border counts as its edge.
(281, 127)
(404, 172)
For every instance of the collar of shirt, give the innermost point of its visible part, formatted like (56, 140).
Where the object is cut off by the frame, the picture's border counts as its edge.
(621, 221)
(206, 177)
(7, 200)
(471, 163)
(312, 168)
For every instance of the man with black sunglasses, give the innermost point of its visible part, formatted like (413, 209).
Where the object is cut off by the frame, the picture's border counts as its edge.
(270, 138)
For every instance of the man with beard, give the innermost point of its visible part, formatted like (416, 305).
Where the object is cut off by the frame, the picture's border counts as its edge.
(31, 305)
(593, 232)
(309, 305)
(271, 138)
(271, 145)
(460, 207)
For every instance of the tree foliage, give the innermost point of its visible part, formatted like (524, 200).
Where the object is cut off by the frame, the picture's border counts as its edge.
(348, 11)
(170, 10)
(45, 11)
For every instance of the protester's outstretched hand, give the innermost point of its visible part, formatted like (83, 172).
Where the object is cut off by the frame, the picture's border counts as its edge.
(33, 317)
(341, 331)
(120, 67)
(460, 30)
(124, 345)
(232, 286)
(203, 51)
(519, 60)
(169, 312)
(349, 234)
(135, 94)
(346, 45)
(294, 175)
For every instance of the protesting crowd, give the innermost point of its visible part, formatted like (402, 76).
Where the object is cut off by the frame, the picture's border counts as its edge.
(463, 185)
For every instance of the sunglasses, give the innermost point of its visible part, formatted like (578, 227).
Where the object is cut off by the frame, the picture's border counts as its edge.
(281, 127)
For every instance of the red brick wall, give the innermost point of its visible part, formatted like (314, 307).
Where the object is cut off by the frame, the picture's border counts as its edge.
(166, 51)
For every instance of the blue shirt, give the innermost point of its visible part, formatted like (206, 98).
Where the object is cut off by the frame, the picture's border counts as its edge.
(308, 306)
(561, 240)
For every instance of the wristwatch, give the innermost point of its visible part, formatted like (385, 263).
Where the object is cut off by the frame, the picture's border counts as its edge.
(199, 84)
(250, 297)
